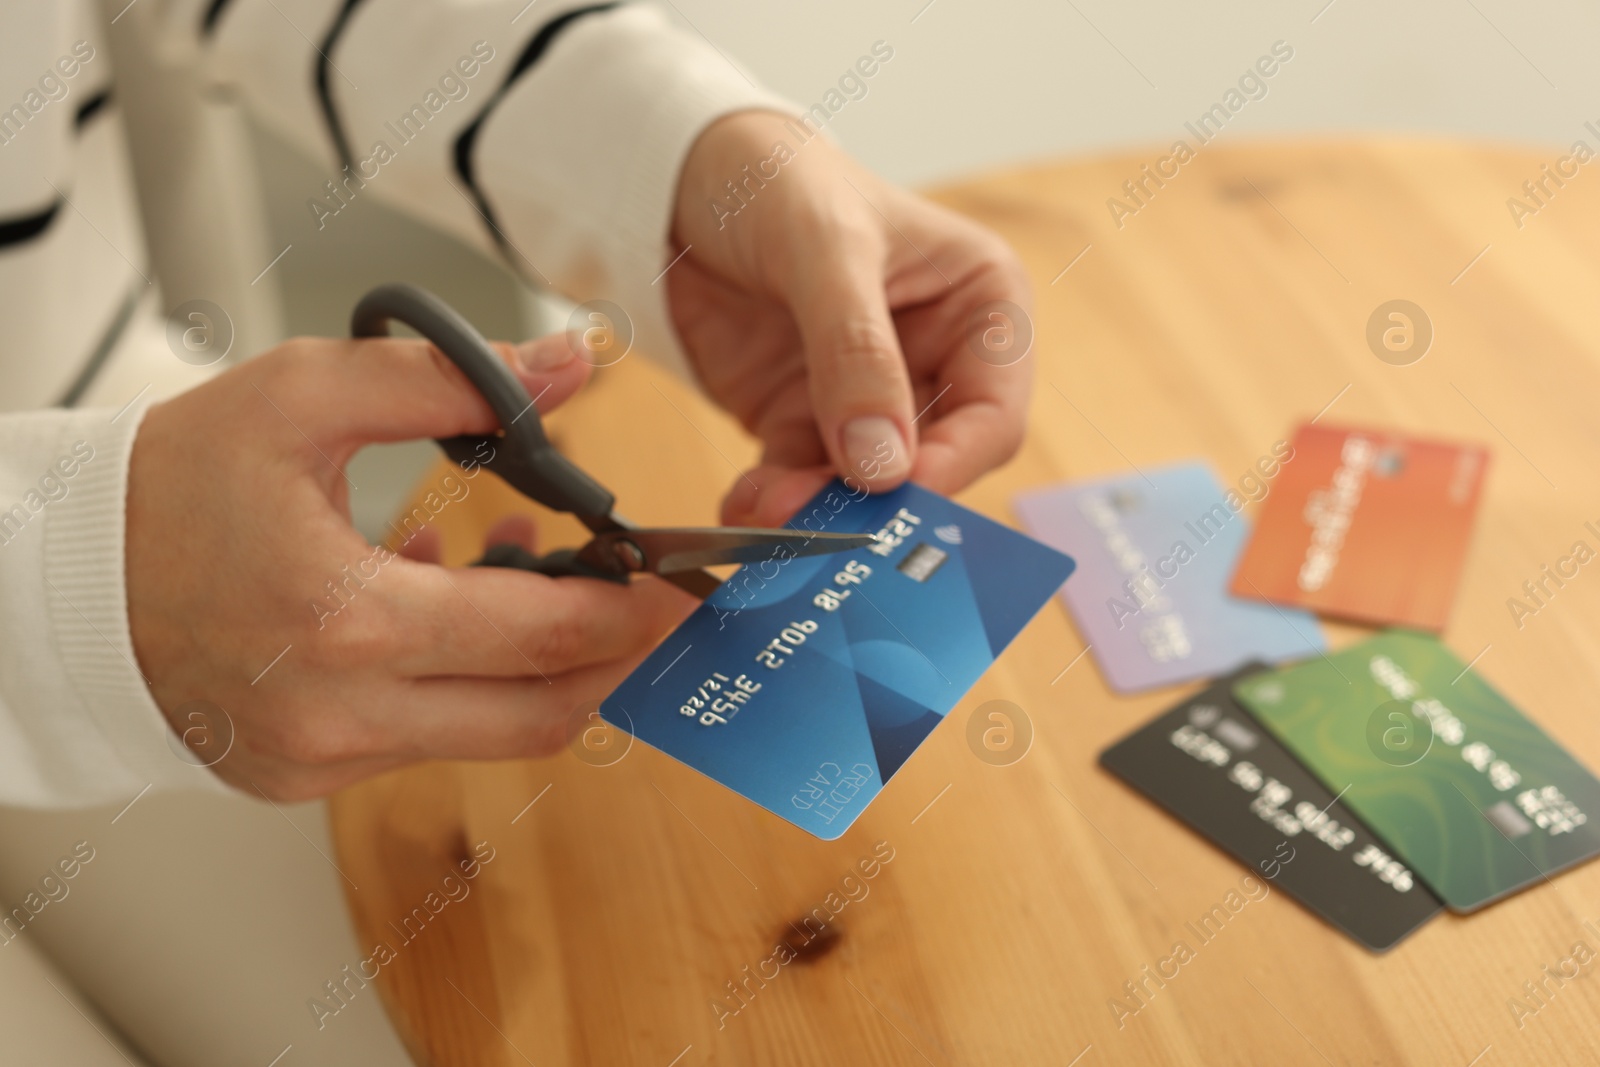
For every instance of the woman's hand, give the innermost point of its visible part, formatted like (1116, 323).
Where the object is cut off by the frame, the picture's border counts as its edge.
(826, 309)
(249, 590)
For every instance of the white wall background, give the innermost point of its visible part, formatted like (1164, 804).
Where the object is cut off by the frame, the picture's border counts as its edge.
(976, 84)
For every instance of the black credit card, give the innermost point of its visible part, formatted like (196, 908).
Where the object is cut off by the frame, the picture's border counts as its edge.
(1208, 762)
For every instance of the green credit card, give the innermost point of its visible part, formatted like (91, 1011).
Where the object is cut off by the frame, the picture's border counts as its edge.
(1476, 799)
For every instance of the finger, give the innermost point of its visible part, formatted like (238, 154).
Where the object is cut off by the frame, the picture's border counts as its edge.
(739, 505)
(974, 404)
(516, 530)
(782, 492)
(966, 444)
(463, 717)
(344, 394)
(497, 621)
(859, 385)
(498, 718)
(424, 546)
(547, 367)
(788, 433)
(974, 419)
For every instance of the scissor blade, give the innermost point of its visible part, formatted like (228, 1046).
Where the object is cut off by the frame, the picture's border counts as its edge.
(673, 551)
(696, 583)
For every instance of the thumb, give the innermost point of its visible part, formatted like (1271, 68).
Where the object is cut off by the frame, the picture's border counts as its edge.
(860, 390)
(398, 389)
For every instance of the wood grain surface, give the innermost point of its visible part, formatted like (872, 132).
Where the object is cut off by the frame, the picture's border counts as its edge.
(622, 903)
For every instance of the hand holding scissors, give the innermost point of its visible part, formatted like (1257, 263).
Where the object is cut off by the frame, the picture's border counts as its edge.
(525, 458)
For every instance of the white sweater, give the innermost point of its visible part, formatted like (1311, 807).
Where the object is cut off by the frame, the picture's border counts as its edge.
(584, 115)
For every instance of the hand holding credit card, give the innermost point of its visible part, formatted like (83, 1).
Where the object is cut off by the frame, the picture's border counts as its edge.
(803, 684)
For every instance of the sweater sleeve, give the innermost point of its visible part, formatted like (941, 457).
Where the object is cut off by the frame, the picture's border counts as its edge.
(548, 133)
(77, 723)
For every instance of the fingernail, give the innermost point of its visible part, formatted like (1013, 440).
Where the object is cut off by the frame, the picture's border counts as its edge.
(543, 354)
(874, 449)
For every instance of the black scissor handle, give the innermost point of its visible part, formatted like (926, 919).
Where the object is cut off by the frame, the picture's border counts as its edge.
(524, 456)
(561, 563)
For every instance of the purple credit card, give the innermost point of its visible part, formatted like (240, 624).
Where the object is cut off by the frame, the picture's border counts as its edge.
(1155, 552)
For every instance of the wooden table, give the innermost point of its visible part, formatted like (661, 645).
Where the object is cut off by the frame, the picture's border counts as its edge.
(1020, 899)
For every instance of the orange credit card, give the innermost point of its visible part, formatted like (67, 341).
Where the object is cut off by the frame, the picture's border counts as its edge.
(1366, 525)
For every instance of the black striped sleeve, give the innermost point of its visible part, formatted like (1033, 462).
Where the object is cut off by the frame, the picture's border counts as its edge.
(19, 229)
(212, 16)
(324, 80)
(466, 141)
(91, 107)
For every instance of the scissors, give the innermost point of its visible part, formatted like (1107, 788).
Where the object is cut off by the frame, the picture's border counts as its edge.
(522, 455)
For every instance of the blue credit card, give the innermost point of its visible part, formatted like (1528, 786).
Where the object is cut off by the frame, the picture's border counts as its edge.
(803, 684)
(1153, 600)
